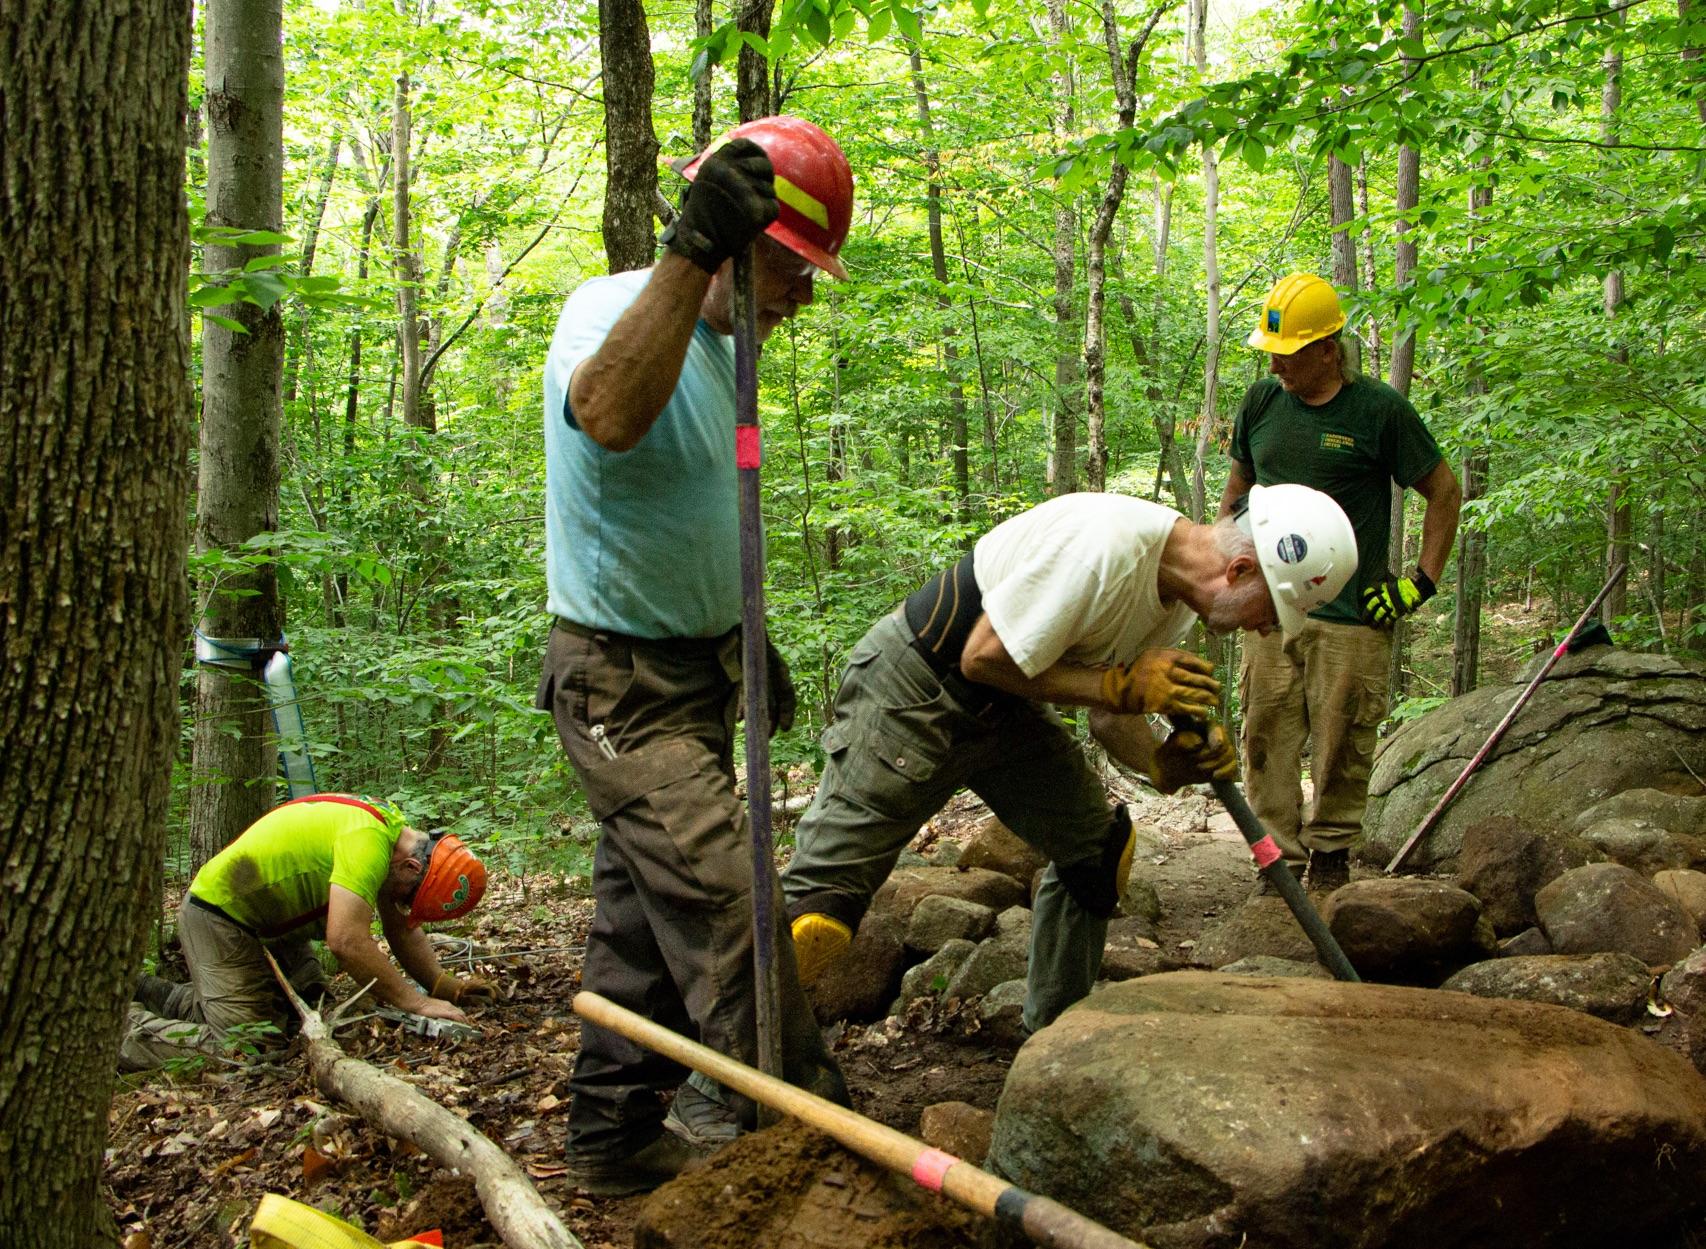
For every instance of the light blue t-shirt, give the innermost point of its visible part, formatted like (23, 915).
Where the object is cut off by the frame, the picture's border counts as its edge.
(644, 541)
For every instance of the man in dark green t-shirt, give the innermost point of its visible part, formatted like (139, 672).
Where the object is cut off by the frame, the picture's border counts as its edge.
(1317, 423)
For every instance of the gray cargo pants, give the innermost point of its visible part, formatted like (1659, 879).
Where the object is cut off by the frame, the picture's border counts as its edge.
(650, 728)
(899, 747)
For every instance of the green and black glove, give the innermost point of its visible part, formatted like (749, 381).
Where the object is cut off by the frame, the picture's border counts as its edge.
(1383, 605)
(783, 700)
(1194, 755)
(731, 199)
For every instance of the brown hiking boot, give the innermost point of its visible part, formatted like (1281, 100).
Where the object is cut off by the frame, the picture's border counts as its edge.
(1265, 887)
(1329, 870)
(627, 1175)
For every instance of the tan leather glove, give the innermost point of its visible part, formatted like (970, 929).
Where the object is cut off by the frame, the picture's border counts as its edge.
(469, 991)
(1162, 681)
(1193, 756)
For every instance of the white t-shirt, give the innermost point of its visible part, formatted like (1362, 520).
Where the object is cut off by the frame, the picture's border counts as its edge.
(1075, 578)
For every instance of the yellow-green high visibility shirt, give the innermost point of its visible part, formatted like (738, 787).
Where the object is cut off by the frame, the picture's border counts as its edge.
(276, 878)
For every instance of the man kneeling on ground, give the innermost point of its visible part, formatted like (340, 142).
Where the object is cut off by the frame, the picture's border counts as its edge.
(1078, 601)
(321, 866)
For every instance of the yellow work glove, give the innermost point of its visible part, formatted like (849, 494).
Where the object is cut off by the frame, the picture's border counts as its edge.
(1162, 681)
(1193, 756)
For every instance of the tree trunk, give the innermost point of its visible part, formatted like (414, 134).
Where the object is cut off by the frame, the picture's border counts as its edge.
(1064, 444)
(958, 431)
(407, 264)
(1404, 341)
(703, 24)
(1693, 56)
(1370, 270)
(237, 492)
(1619, 526)
(1211, 283)
(94, 431)
(752, 71)
(630, 143)
(1472, 539)
(310, 243)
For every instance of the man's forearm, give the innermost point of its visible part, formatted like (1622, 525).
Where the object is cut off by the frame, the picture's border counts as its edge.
(617, 392)
(1439, 524)
(365, 961)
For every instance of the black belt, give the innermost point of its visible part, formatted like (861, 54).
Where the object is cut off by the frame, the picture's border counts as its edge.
(207, 906)
(941, 615)
(680, 646)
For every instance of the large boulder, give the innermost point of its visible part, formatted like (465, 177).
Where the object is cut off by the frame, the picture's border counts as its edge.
(1505, 862)
(1262, 926)
(1603, 721)
(997, 848)
(1606, 907)
(1681, 814)
(938, 919)
(1612, 987)
(1415, 931)
(1688, 889)
(1205, 1110)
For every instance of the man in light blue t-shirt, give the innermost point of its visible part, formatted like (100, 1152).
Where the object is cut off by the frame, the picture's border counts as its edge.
(642, 675)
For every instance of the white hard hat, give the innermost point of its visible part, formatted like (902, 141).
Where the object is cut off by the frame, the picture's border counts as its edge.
(1305, 544)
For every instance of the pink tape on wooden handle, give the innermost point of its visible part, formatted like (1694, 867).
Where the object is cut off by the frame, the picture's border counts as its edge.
(931, 1167)
(748, 453)
(1266, 851)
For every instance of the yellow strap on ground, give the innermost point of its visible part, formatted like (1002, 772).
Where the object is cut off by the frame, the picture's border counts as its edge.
(281, 1223)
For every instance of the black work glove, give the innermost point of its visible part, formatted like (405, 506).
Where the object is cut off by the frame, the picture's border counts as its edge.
(780, 688)
(1384, 604)
(731, 199)
(1194, 754)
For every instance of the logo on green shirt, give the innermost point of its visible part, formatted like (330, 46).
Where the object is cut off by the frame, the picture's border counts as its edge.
(1337, 442)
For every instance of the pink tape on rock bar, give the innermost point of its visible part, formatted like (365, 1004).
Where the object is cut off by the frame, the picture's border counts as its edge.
(1266, 851)
(930, 1167)
(747, 450)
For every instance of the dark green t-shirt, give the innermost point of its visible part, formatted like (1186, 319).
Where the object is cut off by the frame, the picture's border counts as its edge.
(1353, 447)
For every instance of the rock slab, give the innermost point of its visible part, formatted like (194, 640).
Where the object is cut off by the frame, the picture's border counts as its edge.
(1209, 1110)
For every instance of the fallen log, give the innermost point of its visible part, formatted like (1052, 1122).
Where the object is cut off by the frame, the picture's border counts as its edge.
(513, 1206)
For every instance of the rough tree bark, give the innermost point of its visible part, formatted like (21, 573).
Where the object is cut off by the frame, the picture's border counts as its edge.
(703, 24)
(958, 432)
(310, 244)
(630, 143)
(405, 262)
(752, 71)
(237, 492)
(94, 437)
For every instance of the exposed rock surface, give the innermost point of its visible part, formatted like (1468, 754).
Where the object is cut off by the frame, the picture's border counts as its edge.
(1262, 926)
(906, 887)
(1414, 931)
(1604, 721)
(938, 919)
(1612, 987)
(957, 1128)
(1683, 814)
(1607, 907)
(1001, 1014)
(993, 961)
(998, 848)
(1688, 889)
(930, 977)
(1375, 1116)
(1267, 965)
(861, 984)
(1506, 861)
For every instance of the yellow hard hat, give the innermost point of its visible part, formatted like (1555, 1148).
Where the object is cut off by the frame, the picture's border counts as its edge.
(1299, 310)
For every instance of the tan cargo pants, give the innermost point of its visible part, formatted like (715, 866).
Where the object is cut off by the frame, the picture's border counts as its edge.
(1327, 684)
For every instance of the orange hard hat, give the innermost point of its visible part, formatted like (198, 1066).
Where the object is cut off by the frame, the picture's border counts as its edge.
(814, 186)
(452, 884)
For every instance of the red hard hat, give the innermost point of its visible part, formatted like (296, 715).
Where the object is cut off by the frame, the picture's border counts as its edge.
(814, 186)
(453, 882)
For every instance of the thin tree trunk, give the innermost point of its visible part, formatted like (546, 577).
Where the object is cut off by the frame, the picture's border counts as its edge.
(94, 434)
(630, 142)
(1693, 56)
(958, 430)
(1619, 514)
(1472, 539)
(407, 264)
(703, 24)
(1404, 341)
(237, 492)
(752, 76)
(1370, 270)
(1064, 444)
(310, 243)
(1211, 283)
